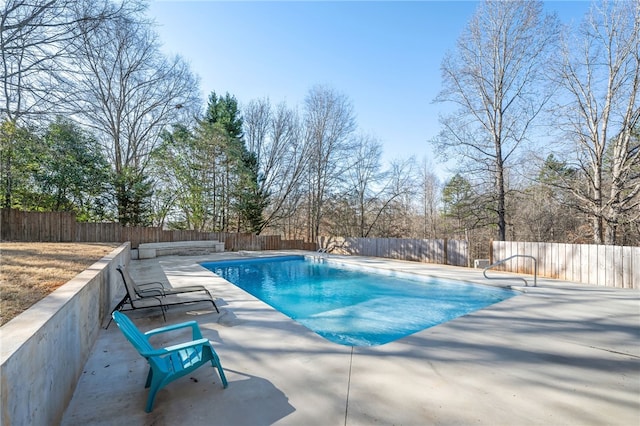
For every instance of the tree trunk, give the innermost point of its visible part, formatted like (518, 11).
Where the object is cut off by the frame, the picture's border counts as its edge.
(598, 222)
(502, 221)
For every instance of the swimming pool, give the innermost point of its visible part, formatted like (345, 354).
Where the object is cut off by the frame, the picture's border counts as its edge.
(354, 307)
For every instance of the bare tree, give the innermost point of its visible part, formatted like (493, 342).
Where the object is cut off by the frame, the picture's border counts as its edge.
(495, 78)
(274, 135)
(600, 75)
(329, 122)
(129, 93)
(36, 38)
(370, 190)
(258, 117)
(430, 189)
(396, 216)
(364, 178)
(36, 41)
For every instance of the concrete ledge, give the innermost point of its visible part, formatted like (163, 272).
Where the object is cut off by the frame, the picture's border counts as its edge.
(181, 248)
(45, 348)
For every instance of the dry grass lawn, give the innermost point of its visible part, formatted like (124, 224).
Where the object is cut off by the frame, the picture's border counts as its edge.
(30, 271)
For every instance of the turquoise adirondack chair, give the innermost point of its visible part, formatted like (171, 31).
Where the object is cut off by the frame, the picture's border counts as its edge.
(170, 363)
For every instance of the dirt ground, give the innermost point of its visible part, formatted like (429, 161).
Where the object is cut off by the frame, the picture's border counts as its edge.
(30, 271)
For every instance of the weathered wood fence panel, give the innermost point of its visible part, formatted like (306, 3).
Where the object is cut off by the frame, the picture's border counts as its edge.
(37, 226)
(17, 225)
(602, 265)
(441, 251)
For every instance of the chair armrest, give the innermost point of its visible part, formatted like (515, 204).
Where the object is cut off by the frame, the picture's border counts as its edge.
(175, 348)
(195, 329)
(156, 284)
(146, 292)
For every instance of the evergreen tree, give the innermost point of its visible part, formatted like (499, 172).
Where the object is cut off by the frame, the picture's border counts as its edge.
(133, 195)
(243, 194)
(224, 112)
(457, 197)
(253, 200)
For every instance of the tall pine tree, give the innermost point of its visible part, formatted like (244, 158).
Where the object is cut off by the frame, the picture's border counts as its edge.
(244, 202)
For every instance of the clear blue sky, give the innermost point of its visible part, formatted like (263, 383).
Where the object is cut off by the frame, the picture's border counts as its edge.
(385, 56)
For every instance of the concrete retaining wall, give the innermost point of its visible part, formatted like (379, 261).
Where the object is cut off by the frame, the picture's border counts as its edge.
(45, 348)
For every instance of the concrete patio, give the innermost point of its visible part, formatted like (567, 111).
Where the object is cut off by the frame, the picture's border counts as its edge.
(560, 353)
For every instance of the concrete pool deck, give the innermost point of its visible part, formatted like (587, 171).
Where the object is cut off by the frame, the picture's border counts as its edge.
(560, 353)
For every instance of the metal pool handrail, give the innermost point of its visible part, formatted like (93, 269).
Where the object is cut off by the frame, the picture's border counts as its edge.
(500, 262)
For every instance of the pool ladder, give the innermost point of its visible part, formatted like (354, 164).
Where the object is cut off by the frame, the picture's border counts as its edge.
(500, 262)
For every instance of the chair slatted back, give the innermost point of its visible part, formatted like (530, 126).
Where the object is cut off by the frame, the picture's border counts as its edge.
(131, 332)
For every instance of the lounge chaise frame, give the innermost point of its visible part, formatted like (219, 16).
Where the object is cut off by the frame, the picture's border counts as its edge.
(154, 297)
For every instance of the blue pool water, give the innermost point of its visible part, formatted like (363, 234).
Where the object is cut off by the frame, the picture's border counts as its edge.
(353, 307)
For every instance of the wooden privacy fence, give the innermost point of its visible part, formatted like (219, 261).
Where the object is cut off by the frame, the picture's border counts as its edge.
(17, 225)
(603, 265)
(442, 251)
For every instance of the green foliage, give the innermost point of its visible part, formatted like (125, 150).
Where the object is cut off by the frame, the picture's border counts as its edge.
(20, 151)
(74, 175)
(251, 200)
(244, 193)
(211, 176)
(187, 161)
(555, 178)
(555, 171)
(463, 205)
(133, 191)
(61, 169)
(457, 196)
(224, 112)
